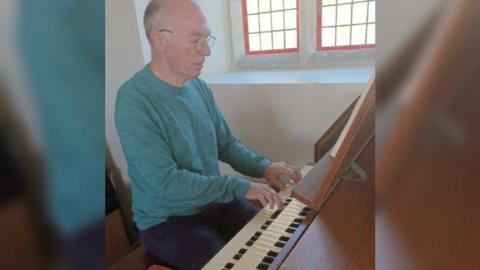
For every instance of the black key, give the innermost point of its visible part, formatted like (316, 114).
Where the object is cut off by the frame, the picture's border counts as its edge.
(268, 222)
(264, 227)
(288, 200)
(298, 220)
(274, 216)
(272, 253)
(237, 256)
(229, 265)
(257, 234)
(263, 266)
(268, 260)
(242, 251)
(249, 243)
(294, 225)
(290, 230)
(306, 209)
(279, 244)
(284, 238)
(303, 213)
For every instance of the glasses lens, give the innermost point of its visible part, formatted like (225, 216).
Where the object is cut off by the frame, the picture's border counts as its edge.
(210, 41)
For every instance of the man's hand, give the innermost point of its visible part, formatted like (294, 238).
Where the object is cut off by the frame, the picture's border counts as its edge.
(276, 169)
(265, 194)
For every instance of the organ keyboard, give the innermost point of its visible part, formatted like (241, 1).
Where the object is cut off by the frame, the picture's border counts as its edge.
(262, 239)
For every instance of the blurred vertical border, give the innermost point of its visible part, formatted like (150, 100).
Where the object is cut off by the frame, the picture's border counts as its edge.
(52, 136)
(428, 131)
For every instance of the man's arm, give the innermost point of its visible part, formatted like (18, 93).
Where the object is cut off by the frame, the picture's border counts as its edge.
(149, 157)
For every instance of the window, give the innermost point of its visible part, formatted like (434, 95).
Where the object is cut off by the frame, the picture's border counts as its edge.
(270, 26)
(345, 24)
(305, 54)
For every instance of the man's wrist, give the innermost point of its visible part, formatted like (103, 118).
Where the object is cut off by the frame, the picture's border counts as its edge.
(264, 163)
(242, 187)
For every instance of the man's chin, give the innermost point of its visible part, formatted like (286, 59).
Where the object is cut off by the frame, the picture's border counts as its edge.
(195, 74)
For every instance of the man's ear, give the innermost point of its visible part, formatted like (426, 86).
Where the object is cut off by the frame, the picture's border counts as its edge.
(157, 40)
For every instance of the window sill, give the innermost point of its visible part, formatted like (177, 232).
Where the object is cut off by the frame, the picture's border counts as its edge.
(327, 76)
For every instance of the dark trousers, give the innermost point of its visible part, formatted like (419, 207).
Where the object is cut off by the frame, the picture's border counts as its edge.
(85, 249)
(189, 242)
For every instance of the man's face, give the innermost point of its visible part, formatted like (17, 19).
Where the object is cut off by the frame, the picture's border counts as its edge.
(186, 47)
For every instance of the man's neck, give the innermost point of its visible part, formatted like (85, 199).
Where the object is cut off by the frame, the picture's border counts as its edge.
(164, 73)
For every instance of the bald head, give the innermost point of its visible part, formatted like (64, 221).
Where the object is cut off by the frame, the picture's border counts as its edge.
(160, 12)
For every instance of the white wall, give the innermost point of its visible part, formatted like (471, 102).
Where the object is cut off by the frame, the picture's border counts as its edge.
(140, 6)
(283, 121)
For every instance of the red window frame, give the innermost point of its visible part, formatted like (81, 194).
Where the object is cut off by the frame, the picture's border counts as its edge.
(245, 35)
(335, 48)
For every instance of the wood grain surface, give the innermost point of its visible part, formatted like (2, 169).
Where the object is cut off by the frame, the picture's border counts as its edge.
(342, 235)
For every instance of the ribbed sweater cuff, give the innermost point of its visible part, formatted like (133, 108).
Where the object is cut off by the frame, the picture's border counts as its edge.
(242, 187)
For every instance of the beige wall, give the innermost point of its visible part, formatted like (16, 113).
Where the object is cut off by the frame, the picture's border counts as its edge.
(283, 121)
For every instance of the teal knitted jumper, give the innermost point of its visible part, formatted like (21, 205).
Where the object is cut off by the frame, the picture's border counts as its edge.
(173, 139)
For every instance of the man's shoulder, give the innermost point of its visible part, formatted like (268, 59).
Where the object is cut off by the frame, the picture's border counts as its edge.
(131, 102)
(133, 89)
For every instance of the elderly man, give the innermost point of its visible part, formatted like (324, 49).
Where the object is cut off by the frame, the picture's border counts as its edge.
(173, 136)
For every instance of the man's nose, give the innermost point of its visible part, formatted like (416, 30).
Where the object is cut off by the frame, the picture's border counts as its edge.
(204, 49)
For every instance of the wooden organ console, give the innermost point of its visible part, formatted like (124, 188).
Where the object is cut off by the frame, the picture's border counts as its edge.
(328, 218)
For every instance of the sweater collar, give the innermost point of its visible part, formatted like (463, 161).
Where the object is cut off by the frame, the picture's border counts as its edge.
(163, 85)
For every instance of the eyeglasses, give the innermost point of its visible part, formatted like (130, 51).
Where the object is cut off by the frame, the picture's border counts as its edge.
(208, 40)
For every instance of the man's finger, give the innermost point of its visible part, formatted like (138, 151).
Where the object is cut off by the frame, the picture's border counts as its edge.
(271, 201)
(291, 173)
(279, 184)
(299, 175)
(262, 200)
(278, 201)
(295, 171)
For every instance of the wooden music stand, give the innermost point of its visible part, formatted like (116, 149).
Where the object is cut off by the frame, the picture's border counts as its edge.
(315, 187)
